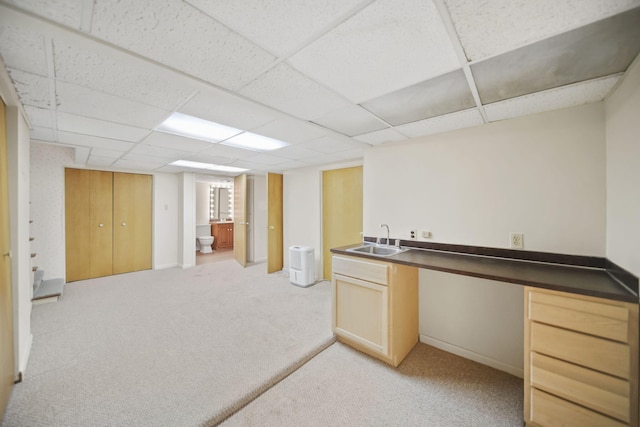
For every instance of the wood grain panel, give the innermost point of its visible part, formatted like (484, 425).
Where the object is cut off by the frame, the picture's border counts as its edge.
(7, 368)
(275, 253)
(132, 218)
(549, 410)
(341, 211)
(596, 318)
(77, 224)
(240, 219)
(100, 234)
(372, 271)
(585, 350)
(601, 392)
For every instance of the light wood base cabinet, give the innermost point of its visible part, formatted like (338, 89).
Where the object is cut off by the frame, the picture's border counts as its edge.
(581, 360)
(223, 235)
(375, 307)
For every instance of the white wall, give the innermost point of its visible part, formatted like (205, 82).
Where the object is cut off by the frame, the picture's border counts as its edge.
(257, 217)
(186, 220)
(302, 209)
(202, 203)
(622, 109)
(166, 205)
(542, 175)
(21, 247)
(47, 206)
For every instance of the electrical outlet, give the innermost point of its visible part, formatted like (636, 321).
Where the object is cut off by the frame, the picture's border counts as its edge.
(413, 234)
(426, 234)
(517, 240)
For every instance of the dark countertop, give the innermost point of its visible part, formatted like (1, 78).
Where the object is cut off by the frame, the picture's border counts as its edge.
(567, 278)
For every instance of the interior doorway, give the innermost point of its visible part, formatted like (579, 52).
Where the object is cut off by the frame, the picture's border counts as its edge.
(214, 217)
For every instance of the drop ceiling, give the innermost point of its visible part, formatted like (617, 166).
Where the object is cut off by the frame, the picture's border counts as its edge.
(332, 78)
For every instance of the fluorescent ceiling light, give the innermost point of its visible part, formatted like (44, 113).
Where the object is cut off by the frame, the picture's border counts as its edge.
(207, 166)
(255, 142)
(193, 127)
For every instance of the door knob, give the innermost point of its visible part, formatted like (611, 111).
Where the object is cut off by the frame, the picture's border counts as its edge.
(7, 254)
(100, 225)
(124, 224)
(271, 227)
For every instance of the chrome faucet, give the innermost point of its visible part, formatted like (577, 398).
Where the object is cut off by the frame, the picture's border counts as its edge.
(385, 225)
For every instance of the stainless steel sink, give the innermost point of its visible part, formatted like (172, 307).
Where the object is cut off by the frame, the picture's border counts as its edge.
(378, 250)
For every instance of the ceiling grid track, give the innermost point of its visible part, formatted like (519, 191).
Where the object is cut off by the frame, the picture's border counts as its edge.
(462, 57)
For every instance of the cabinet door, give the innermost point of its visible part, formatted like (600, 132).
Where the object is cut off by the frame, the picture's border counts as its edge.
(132, 194)
(361, 312)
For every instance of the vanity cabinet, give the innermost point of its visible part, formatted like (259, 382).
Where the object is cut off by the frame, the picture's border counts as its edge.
(223, 235)
(375, 307)
(581, 360)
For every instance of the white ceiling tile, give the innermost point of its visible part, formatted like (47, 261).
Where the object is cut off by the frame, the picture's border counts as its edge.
(458, 120)
(267, 159)
(40, 117)
(497, 26)
(99, 161)
(290, 130)
(22, 49)
(227, 151)
(89, 126)
(65, 12)
(90, 103)
(167, 140)
(42, 134)
(380, 137)
(211, 158)
(290, 164)
(93, 141)
(106, 153)
(382, 48)
(138, 165)
(562, 97)
(230, 110)
(298, 152)
(328, 144)
(116, 73)
(286, 89)
(159, 152)
(175, 33)
(352, 120)
(297, 21)
(32, 89)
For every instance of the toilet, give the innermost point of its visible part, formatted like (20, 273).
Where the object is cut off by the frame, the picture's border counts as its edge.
(205, 239)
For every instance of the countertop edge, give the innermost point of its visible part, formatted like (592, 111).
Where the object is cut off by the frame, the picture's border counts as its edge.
(627, 296)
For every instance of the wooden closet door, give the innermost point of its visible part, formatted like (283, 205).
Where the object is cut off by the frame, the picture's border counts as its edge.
(88, 224)
(132, 199)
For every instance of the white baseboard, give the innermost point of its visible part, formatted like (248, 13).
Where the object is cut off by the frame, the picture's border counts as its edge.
(165, 266)
(476, 357)
(24, 360)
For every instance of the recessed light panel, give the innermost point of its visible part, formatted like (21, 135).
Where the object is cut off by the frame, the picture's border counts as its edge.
(206, 166)
(255, 142)
(194, 127)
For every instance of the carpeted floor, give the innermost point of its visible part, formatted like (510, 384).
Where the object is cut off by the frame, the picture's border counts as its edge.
(343, 387)
(166, 348)
(221, 344)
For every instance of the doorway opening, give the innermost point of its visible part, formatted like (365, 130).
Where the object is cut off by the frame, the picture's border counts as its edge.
(214, 217)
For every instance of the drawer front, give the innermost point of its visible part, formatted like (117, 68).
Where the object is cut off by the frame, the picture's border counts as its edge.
(547, 410)
(595, 318)
(585, 350)
(597, 391)
(370, 271)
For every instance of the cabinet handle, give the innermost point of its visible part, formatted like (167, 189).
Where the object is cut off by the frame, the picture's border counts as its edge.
(124, 224)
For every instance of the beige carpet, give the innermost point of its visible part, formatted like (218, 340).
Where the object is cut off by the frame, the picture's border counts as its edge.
(166, 348)
(343, 387)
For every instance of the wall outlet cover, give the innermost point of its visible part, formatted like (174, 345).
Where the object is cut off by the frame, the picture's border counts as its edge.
(517, 241)
(413, 234)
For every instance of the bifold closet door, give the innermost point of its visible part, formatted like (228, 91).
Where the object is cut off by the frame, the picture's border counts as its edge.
(132, 199)
(88, 223)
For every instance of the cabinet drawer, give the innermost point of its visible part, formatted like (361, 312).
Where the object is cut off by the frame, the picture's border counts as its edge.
(585, 350)
(595, 318)
(365, 270)
(597, 391)
(548, 410)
